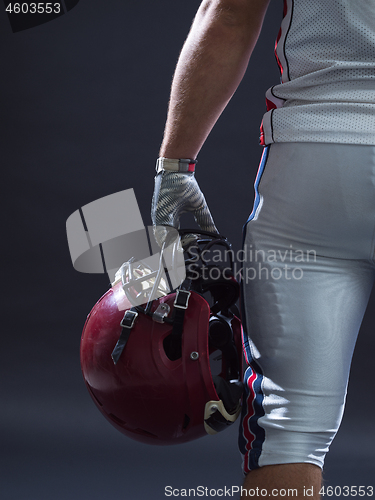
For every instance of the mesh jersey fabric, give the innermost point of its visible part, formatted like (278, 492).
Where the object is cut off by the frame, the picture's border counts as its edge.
(326, 53)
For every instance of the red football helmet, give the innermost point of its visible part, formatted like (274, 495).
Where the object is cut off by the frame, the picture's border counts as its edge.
(171, 371)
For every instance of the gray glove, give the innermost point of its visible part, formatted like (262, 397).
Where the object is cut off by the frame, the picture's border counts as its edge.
(176, 193)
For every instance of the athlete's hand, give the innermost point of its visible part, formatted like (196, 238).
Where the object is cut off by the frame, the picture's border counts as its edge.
(176, 193)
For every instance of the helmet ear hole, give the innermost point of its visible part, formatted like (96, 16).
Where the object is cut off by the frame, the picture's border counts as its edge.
(172, 345)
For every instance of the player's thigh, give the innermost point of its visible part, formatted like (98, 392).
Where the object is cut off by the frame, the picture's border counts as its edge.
(303, 303)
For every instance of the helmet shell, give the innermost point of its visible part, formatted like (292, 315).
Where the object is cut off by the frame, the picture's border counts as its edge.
(148, 396)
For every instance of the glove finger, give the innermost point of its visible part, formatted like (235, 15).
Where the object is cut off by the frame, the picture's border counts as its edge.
(204, 218)
(198, 206)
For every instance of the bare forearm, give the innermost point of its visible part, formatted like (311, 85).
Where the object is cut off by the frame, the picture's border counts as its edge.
(211, 66)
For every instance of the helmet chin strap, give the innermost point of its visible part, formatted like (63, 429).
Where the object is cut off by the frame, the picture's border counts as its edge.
(127, 324)
(179, 308)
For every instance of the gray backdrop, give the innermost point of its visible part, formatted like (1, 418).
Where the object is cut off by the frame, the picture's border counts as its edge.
(83, 105)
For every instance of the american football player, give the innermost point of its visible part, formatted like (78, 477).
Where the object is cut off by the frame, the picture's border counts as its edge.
(312, 222)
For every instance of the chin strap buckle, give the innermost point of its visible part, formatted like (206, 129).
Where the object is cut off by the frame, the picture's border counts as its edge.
(182, 299)
(129, 318)
(127, 324)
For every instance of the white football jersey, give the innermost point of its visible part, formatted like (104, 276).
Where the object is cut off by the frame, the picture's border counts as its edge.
(326, 53)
